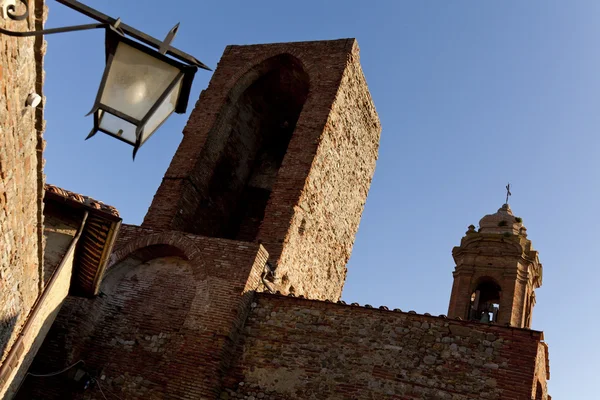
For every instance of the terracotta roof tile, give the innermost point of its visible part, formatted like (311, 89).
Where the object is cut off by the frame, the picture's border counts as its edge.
(85, 200)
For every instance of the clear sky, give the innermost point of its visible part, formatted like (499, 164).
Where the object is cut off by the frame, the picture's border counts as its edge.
(471, 95)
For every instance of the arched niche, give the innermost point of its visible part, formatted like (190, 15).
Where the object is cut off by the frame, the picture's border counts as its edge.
(245, 149)
(142, 252)
(145, 305)
(485, 300)
(128, 333)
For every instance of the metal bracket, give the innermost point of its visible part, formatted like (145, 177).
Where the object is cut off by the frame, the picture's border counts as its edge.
(134, 33)
(53, 30)
(4, 5)
(8, 9)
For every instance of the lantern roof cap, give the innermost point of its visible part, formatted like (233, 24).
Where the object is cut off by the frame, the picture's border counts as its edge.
(501, 221)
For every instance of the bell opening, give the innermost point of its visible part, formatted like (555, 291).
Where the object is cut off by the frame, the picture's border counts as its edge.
(485, 302)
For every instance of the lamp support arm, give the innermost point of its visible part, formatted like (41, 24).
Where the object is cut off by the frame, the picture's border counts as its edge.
(53, 30)
(134, 33)
(8, 9)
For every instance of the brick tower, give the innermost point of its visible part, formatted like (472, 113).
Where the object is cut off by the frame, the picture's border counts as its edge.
(279, 150)
(496, 272)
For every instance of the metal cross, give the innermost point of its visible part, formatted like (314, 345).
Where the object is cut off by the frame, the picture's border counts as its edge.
(508, 193)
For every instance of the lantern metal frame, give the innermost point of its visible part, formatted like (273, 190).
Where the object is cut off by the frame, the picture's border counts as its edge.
(116, 32)
(186, 76)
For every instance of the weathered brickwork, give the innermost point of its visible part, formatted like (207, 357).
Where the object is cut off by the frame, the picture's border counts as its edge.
(21, 178)
(63, 228)
(325, 221)
(47, 310)
(542, 373)
(302, 349)
(303, 196)
(165, 325)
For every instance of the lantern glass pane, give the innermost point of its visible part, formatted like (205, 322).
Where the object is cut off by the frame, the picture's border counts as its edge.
(162, 112)
(117, 126)
(135, 81)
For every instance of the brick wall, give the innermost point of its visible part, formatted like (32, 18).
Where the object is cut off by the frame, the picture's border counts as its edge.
(325, 221)
(542, 373)
(316, 200)
(302, 349)
(21, 178)
(164, 327)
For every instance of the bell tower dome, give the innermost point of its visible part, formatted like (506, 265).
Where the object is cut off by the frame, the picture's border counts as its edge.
(496, 273)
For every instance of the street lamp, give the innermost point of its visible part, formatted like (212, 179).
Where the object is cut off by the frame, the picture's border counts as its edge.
(139, 90)
(141, 87)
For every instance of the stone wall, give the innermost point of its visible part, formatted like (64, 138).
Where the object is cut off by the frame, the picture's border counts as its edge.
(21, 177)
(302, 349)
(325, 221)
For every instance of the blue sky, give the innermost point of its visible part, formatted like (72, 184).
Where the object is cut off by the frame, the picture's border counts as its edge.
(470, 94)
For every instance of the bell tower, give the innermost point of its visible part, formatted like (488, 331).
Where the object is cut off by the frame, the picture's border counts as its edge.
(496, 273)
